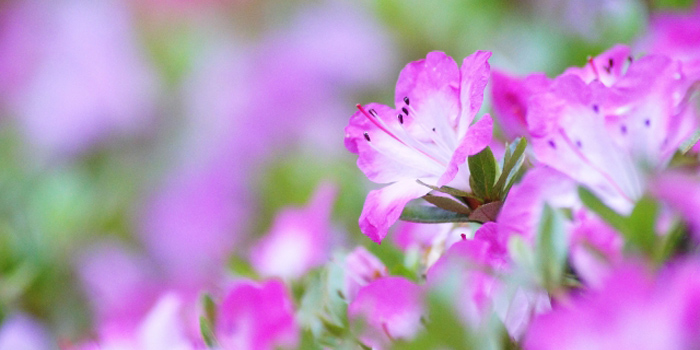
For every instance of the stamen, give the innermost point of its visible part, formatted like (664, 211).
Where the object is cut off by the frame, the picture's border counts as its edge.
(367, 137)
(595, 70)
(406, 101)
(608, 68)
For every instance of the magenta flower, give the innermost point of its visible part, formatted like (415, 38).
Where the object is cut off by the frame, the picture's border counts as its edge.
(390, 307)
(600, 135)
(427, 137)
(479, 264)
(510, 100)
(633, 310)
(361, 268)
(677, 35)
(257, 317)
(299, 238)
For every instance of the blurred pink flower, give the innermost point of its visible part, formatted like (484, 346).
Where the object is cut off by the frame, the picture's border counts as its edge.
(360, 269)
(682, 193)
(21, 332)
(677, 35)
(510, 100)
(427, 137)
(430, 240)
(194, 215)
(298, 240)
(390, 307)
(632, 310)
(163, 328)
(257, 317)
(89, 81)
(478, 264)
(121, 286)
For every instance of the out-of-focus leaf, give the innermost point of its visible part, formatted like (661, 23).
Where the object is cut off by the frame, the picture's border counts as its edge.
(207, 333)
(610, 216)
(447, 204)
(483, 168)
(242, 267)
(642, 223)
(551, 247)
(430, 215)
(209, 308)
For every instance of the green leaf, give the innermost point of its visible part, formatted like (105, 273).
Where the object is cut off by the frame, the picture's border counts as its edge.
(642, 224)
(610, 216)
(431, 215)
(551, 248)
(209, 308)
(690, 142)
(447, 204)
(207, 333)
(484, 169)
(512, 161)
(487, 212)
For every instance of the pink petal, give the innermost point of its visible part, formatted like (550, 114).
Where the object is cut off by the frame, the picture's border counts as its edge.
(384, 206)
(477, 138)
(475, 73)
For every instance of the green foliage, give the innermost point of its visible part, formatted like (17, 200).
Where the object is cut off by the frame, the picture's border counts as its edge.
(483, 167)
(431, 215)
(551, 248)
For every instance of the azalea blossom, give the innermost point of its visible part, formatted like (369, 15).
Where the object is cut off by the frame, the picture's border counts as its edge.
(604, 127)
(427, 137)
(257, 316)
(632, 310)
(390, 307)
(361, 268)
(299, 239)
(479, 265)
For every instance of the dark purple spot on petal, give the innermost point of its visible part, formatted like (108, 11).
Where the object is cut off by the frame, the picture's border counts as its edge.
(623, 129)
(647, 122)
(579, 144)
(433, 129)
(367, 137)
(552, 144)
(596, 108)
(406, 101)
(405, 110)
(610, 62)
(400, 116)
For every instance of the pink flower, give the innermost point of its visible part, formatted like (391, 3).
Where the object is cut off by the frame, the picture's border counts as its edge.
(21, 332)
(682, 193)
(595, 247)
(257, 317)
(510, 100)
(391, 308)
(427, 137)
(428, 240)
(298, 240)
(599, 135)
(361, 268)
(478, 265)
(633, 310)
(677, 35)
(88, 81)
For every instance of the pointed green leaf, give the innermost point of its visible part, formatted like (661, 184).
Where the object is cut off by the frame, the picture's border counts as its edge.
(447, 204)
(512, 161)
(642, 224)
(209, 308)
(610, 216)
(484, 169)
(430, 215)
(207, 333)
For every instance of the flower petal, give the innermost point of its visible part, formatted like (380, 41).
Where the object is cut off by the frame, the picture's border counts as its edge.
(478, 136)
(475, 73)
(384, 206)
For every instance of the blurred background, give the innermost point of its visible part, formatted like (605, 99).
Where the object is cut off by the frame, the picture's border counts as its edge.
(146, 145)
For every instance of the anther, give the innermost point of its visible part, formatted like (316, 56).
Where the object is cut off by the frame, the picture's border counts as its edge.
(400, 116)
(406, 101)
(464, 237)
(405, 110)
(366, 137)
(373, 112)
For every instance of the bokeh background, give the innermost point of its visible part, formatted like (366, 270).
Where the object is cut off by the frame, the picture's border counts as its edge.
(147, 145)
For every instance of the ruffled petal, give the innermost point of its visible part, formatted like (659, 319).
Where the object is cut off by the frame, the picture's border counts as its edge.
(384, 206)
(475, 73)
